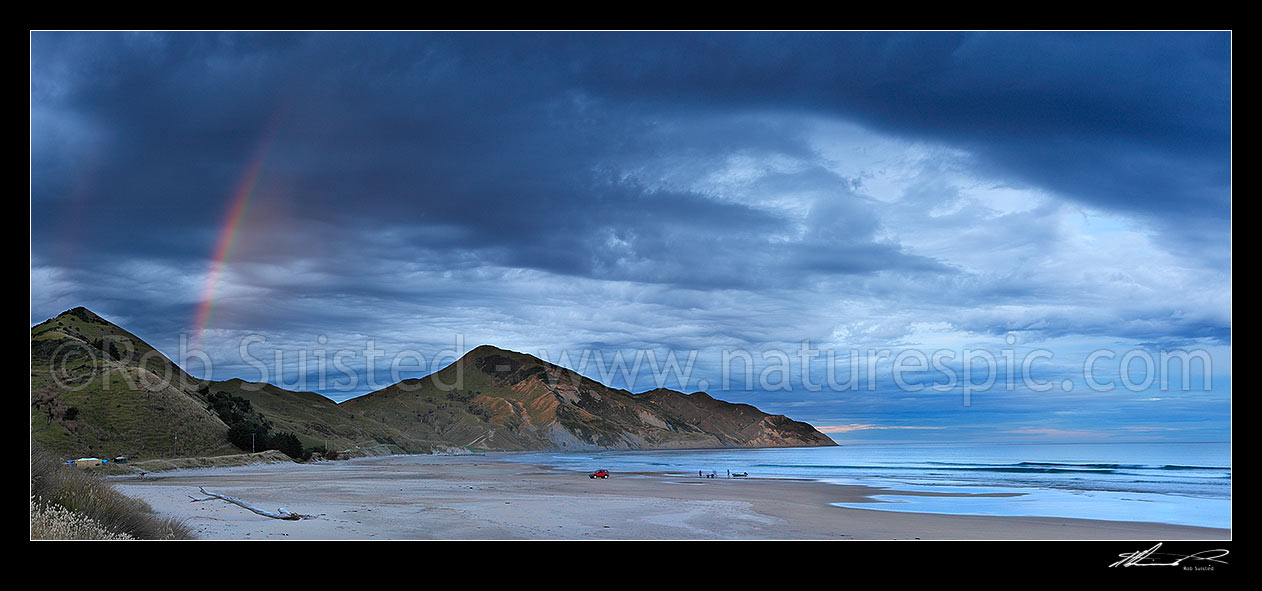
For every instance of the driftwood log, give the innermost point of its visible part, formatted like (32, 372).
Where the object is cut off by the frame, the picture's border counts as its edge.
(280, 513)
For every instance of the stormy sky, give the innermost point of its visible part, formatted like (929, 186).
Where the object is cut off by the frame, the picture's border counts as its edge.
(333, 211)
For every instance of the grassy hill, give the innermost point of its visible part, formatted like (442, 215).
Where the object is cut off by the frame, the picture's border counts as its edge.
(319, 422)
(98, 390)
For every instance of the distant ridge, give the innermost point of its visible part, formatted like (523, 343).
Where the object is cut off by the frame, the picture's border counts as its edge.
(506, 401)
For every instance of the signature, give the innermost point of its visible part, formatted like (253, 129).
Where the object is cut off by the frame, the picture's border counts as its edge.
(1151, 557)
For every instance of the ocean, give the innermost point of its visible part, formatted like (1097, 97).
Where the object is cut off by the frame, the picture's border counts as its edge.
(1177, 483)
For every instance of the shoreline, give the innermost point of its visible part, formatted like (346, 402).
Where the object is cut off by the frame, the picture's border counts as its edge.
(485, 497)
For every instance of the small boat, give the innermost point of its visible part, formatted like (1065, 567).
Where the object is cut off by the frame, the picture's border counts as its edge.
(740, 475)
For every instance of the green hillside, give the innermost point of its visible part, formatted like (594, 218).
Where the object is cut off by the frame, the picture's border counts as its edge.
(98, 390)
(320, 422)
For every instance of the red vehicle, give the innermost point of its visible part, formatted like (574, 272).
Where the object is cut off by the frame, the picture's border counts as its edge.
(601, 473)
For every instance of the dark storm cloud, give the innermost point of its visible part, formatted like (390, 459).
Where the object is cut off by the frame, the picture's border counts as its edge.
(578, 154)
(1136, 121)
(486, 144)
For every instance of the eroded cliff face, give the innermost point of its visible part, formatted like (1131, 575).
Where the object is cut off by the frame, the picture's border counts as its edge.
(513, 401)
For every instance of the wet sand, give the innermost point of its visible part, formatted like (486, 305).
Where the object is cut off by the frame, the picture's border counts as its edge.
(480, 498)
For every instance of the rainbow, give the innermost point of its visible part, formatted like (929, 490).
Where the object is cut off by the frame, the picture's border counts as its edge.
(239, 205)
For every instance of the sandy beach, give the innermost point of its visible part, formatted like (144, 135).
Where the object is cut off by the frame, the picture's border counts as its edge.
(480, 498)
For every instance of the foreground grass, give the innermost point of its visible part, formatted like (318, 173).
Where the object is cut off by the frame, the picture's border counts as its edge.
(54, 522)
(70, 504)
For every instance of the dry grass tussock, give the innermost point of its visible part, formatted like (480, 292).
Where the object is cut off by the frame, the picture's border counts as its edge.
(54, 522)
(67, 502)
